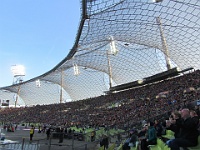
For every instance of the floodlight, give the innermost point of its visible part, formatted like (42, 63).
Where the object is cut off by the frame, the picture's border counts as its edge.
(38, 84)
(76, 70)
(113, 49)
(18, 70)
(157, 1)
(140, 81)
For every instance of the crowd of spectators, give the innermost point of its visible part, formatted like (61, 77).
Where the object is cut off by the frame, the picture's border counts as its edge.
(121, 109)
(183, 125)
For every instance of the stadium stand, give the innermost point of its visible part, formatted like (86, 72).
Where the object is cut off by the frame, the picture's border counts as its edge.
(141, 40)
(118, 44)
(100, 114)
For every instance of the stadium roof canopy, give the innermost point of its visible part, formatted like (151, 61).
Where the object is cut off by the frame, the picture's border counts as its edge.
(118, 41)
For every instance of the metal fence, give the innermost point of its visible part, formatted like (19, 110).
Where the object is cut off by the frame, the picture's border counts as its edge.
(21, 146)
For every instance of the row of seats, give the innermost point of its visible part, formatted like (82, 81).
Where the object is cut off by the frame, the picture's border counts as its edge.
(112, 147)
(170, 135)
(132, 148)
(159, 146)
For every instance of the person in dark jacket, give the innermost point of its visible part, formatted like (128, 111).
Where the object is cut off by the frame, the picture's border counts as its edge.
(188, 132)
(48, 132)
(104, 142)
(158, 128)
(175, 123)
(61, 134)
(194, 116)
(143, 131)
(131, 140)
(197, 110)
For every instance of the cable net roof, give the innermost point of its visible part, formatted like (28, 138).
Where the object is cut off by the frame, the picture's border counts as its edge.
(118, 41)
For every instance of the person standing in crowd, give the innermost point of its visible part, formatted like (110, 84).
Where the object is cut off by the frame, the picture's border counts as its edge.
(188, 132)
(93, 133)
(39, 129)
(61, 135)
(32, 132)
(104, 142)
(16, 127)
(151, 138)
(48, 132)
(119, 138)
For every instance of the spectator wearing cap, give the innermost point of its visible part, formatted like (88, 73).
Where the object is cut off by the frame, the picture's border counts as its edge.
(143, 131)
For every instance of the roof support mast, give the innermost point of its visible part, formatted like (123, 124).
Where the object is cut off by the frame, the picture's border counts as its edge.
(164, 44)
(61, 86)
(109, 70)
(17, 97)
(112, 51)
